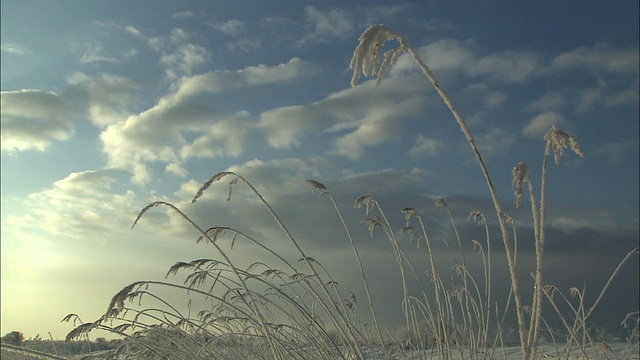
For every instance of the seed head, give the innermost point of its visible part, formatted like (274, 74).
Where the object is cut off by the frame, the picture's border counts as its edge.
(366, 58)
(520, 176)
(558, 141)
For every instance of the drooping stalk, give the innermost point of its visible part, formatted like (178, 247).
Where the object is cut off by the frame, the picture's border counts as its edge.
(365, 60)
(374, 315)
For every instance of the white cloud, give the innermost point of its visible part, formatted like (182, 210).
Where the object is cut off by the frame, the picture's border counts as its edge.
(162, 132)
(285, 126)
(450, 56)
(179, 57)
(600, 56)
(446, 55)
(264, 74)
(133, 31)
(15, 49)
(233, 27)
(177, 36)
(32, 119)
(424, 147)
(508, 66)
(236, 29)
(176, 169)
(541, 123)
(380, 14)
(334, 24)
(184, 59)
(553, 100)
(83, 205)
(582, 219)
(495, 142)
(95, 53)
(362, 117)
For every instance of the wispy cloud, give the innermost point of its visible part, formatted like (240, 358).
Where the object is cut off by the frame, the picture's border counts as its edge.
(183, 15)
(425, 147)
(496, 141)
(508, 66)
(599, 57)
(330, 25)
(541, 123)
(553, 100)
(184, 60)
(450, 56)
(237, 31)
(233, 27)
(15, 49)
(179, 57)
(616, 151)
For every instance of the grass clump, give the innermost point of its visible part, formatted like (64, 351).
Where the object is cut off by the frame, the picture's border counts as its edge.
(280, 308)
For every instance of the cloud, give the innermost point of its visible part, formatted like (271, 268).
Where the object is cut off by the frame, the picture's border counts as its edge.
(603, 95)
(94, 54)
(176, 169)
(553, 100)
(236, 29)
(508, 66)
(495, 142)
(32, 119)
(82, 205)
(615, 151)
(443, 56)
(541, 123)
(495, 99)
(184, 59)
(331, 25)
(183, 15)
(599, 57)
(233, 27)
(425, 147)
(182, 126)
(452, 56)
(133, 31)
(179, 57)
(107, 97)
(583, 218)
(380, 14)
(177, 36)
(357, 118)
(15, 49)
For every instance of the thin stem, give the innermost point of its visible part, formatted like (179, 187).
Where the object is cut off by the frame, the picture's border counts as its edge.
(494, 195)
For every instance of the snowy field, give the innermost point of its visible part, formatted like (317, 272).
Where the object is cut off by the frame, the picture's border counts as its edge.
(547, 351)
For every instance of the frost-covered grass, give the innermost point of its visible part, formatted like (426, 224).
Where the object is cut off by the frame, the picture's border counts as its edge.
(280, 308)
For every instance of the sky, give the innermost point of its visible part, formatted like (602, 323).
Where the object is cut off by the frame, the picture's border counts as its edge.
(108, 106)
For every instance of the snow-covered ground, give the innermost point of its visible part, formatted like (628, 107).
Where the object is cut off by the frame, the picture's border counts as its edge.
(547, 351)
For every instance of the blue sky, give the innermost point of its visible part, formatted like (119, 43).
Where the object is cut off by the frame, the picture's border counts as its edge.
(107, 106)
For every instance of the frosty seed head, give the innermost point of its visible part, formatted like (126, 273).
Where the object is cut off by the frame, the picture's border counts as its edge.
(366, 58)
(520, 176)
(560, 140)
